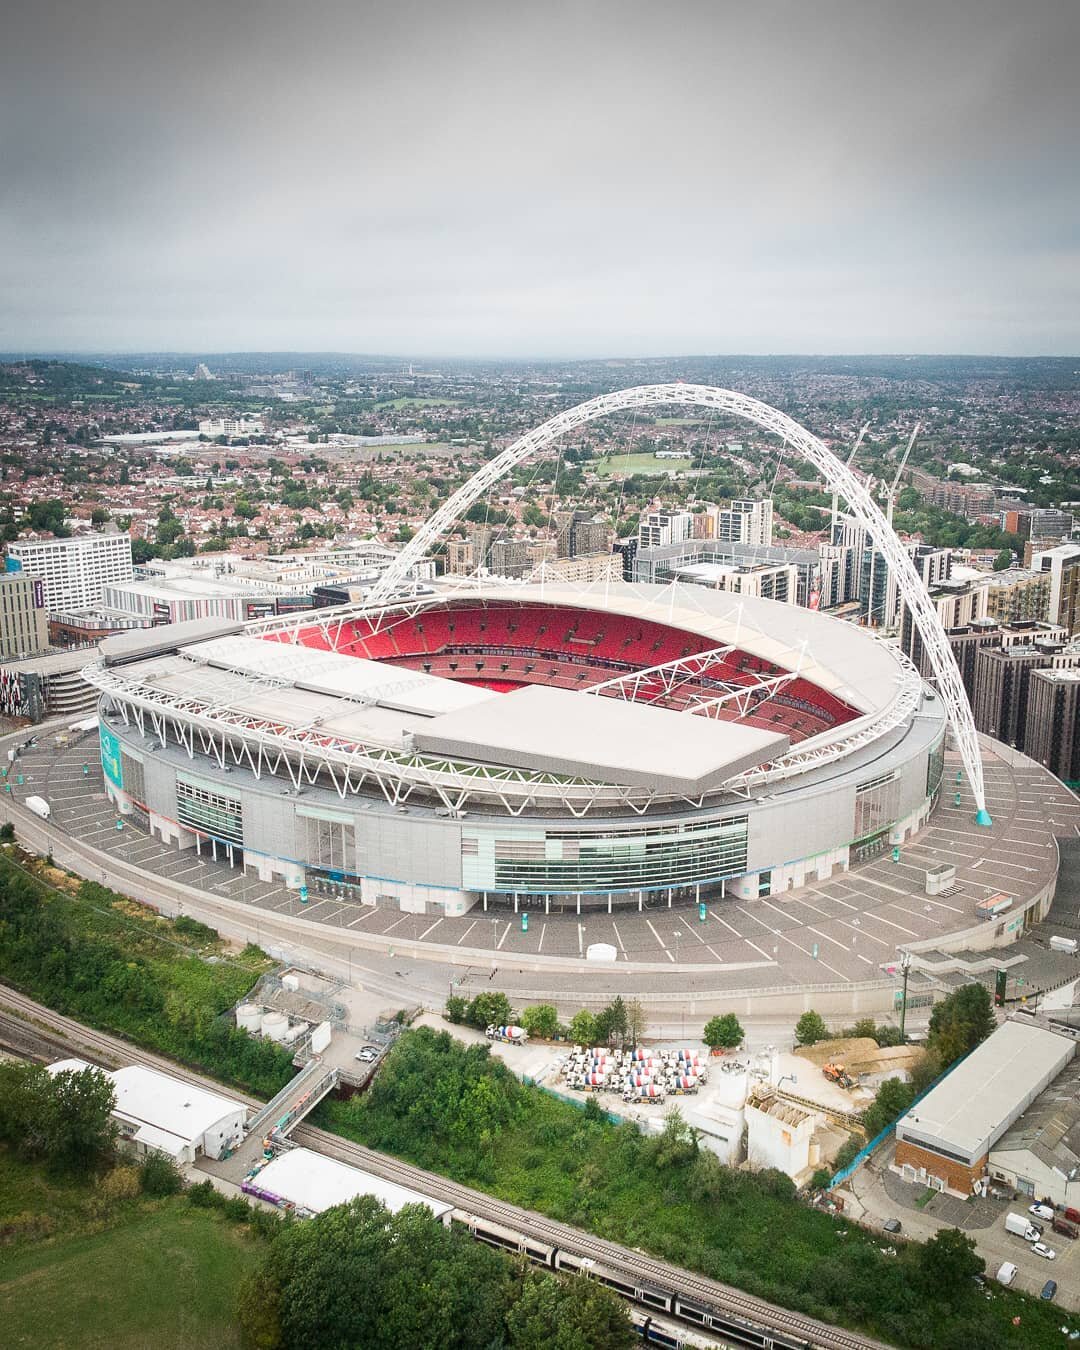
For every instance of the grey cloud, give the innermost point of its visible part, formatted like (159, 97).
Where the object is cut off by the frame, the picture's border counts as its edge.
(553, 178)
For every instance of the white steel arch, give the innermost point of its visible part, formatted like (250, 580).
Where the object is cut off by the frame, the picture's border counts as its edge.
(839, 479)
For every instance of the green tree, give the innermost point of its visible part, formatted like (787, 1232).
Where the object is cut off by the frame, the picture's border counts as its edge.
(541, 1020)
(358, 1276)
(611, 1022)
(948, 1261)
(489, 1009)
(636, 1021)
(723, 1032)
(892, 1099)
(64, 1117)
(810, 1028)
(1003, 560)
(456, 1008)
(554, 1313)
(583, 1028)
(958, 1023)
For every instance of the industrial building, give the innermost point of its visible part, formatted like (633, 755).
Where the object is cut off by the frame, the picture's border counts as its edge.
(1039, 1155)
(156, 1113)
(944, 1141)
(308, 1183)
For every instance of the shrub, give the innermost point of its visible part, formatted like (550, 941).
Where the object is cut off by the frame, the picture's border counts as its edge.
(118, 1185)
(203, 1195)
(160, 1176)
(456, 1008)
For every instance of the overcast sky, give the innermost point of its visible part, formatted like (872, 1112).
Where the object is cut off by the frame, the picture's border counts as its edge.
(490, 177)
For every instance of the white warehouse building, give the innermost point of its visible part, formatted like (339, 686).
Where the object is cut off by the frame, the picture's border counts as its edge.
(161, 1114)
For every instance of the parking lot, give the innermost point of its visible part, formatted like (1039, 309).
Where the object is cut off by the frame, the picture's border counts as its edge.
(877, 1194)
(842, 931)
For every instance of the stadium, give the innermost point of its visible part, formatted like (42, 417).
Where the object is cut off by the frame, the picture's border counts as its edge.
(549, 748)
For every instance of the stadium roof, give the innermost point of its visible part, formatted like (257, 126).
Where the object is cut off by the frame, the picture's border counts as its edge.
(561, 731)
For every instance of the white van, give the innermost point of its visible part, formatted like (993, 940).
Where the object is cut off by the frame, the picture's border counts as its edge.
(1006, 1273)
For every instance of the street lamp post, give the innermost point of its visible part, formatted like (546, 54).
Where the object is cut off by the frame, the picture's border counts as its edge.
(905, 967)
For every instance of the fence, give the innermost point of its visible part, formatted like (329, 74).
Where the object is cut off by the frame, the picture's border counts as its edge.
(880, 1138)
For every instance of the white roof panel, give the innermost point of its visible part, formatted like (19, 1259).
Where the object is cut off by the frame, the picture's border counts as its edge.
(315, 1182)
(973, 1106)
(341, 676)
(566, 732)
(169, 1104)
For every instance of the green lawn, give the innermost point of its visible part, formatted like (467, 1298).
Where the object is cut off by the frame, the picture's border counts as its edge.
(164, 1278)
(611, 465)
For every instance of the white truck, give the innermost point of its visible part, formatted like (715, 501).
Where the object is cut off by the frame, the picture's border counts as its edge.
(39, 806)
(1021, 1226)
(1064, 944)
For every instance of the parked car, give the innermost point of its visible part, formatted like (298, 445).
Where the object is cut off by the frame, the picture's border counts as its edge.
(1041, 1249)
(892, 1225)
(1073, 1215)
(375, 1049)
(1041, 1211)
(365, 1056)
(1049, 1289)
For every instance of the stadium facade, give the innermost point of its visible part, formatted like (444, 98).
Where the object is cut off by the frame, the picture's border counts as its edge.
(547, 748)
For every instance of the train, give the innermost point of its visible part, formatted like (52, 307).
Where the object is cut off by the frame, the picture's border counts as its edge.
(707, 1317)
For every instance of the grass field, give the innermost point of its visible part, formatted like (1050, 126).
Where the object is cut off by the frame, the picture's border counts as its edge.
(158, 1274)
(611, 465)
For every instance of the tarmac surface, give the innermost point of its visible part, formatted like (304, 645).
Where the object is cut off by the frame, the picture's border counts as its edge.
(839, 932)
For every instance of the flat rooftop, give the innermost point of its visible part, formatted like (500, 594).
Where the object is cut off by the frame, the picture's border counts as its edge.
(315, 1182)
(566, 732)
(972, 1107)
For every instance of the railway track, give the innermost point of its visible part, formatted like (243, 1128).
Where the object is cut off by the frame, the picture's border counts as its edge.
(16, 1011)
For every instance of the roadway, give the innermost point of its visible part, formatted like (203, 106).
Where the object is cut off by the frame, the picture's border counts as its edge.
(21, 1017)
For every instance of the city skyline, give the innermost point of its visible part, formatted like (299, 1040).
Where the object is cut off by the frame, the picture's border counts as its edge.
(556, 183)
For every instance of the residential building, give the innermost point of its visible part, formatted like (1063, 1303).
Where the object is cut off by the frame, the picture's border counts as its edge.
(664, 527)
(770, 581)
(959, 604)
(746, 522)
(1002, 681)
(1018, 593)
(658, 565)
(23, 630)
(1049, 523)
(74, 572)
(600, 567)
(960, 498)
(1063, 566)
(1052, 725)
(968, 641)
